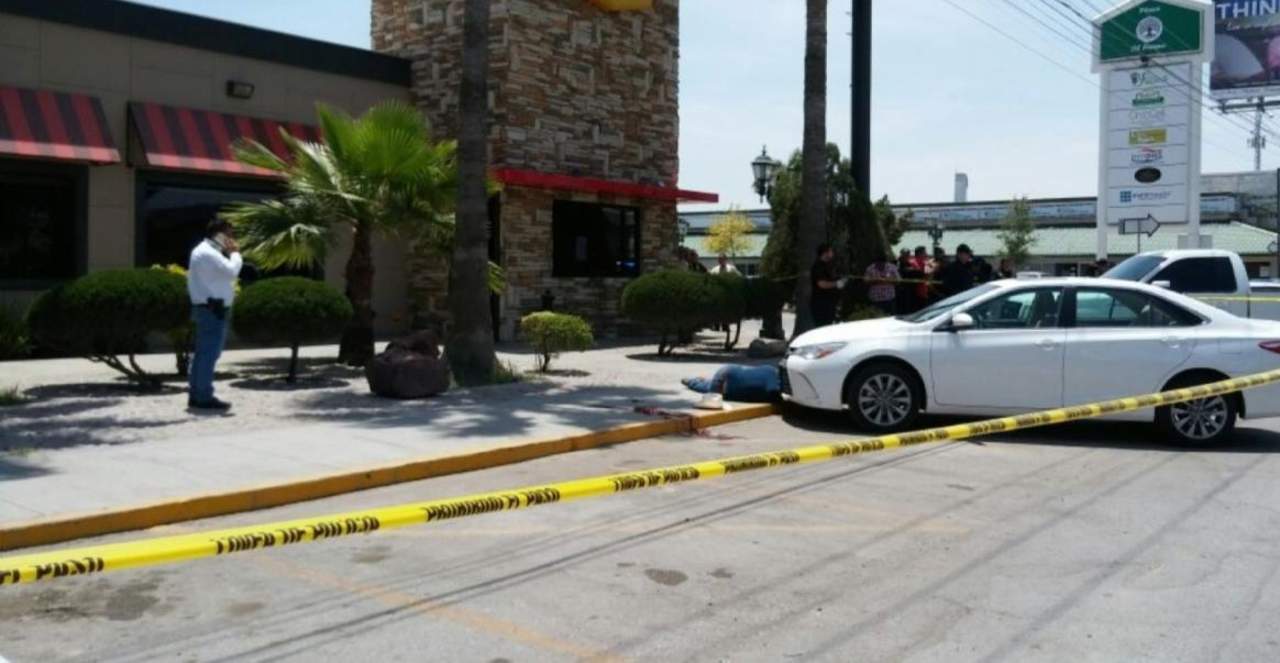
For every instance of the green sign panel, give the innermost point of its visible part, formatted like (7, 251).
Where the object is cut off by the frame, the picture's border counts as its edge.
(1152, 28)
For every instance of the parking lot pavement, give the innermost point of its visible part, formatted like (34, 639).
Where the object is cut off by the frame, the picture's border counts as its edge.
(1088, 542)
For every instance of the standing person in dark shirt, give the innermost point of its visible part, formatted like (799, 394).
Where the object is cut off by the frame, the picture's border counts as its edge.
(826, 287)
(958, 275)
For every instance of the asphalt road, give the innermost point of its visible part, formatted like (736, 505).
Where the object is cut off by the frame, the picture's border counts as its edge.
(1086, 542)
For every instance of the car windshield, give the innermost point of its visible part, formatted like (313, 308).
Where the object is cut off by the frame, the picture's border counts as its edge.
(940, 308)
(1134, 268)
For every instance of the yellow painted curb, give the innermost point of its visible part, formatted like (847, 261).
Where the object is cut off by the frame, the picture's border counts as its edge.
(78, 526)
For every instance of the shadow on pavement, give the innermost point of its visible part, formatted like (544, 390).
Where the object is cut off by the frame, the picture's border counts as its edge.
(513, 409)
(278, 383)
(1101, 434)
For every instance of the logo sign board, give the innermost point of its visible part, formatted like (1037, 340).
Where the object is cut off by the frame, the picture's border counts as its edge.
(1147, 142)
(1151, 28)
(1245, 62)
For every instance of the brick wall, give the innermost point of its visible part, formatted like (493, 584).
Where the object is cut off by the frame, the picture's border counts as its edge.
(573, 90)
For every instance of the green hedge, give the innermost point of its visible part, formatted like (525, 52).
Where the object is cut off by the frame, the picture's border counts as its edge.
(108, 314)
(552, 333)
(671, 301)
(290, 310)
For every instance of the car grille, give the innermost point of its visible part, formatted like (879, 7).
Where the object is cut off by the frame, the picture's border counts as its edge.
(783, 378)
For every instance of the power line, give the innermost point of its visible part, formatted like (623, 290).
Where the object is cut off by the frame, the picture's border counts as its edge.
(1041, 55)
(1222, 118)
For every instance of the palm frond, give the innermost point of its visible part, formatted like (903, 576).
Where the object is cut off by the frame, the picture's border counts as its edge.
(293, 232)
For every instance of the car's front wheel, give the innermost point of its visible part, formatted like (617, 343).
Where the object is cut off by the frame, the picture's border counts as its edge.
(883, 398)
(1203, 421)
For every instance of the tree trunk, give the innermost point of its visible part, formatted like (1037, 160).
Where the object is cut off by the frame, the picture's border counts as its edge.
(357, 339)
(470, 345)
(813, 181)
(293, 364)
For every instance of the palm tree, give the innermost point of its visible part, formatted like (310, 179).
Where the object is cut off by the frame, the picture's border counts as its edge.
(470, 343)
(378, 174)
(813, 182)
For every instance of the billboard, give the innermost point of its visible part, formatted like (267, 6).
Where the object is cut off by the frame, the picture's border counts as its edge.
(1246, 60)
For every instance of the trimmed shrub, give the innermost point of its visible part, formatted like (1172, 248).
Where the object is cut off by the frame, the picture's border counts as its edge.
(290, 310)
(15, 338)
(730, 305)
(671, 301)
(552, 333)
(864, 312)
(108, 314)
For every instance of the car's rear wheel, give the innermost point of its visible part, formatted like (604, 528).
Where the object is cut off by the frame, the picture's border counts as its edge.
(1202, 421)
(883, 398)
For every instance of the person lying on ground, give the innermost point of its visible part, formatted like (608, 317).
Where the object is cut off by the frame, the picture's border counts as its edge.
(745, 384)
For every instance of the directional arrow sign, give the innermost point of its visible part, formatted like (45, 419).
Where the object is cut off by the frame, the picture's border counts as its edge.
(1146, 225)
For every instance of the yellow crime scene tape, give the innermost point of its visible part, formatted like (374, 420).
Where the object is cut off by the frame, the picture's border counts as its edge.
(164, 550)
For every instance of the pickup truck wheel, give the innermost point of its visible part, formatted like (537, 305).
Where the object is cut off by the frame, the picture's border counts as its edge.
(1204, 421)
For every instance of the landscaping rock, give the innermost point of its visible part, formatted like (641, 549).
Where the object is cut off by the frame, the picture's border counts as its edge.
(423, 342)
(762, 348)
(410, 367)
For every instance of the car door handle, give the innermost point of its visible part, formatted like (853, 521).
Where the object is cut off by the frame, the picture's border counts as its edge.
(1173, 341)
(1047, 343)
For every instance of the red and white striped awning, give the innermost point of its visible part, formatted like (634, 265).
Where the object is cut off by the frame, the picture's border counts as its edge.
(175, 138)
(59, 126)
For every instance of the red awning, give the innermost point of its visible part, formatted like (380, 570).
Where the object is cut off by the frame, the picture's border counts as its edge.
(539, 180)
(54, 125)
(196, 140)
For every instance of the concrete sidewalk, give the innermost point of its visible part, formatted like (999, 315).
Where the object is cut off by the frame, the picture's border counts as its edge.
(87, 444)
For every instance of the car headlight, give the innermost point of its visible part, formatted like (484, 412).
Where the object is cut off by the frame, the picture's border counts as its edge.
(817, 351)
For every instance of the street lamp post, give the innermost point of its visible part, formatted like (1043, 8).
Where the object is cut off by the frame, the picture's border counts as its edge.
(935, 233)
(765, 170)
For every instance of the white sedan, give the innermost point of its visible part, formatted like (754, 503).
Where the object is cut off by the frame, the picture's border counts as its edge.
(1021, 345)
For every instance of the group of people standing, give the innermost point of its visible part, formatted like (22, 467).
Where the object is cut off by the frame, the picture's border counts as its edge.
(916, 280)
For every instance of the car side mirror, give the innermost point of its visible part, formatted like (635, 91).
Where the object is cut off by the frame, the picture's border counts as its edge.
(1162, 284)
(960, 322)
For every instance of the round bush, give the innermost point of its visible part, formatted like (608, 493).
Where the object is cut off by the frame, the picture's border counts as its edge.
(290, 310)
(110, 312)
(553, 333)
(730, 298)
(670, 299)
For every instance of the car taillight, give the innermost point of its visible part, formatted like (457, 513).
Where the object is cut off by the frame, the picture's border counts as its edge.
(1270, 346)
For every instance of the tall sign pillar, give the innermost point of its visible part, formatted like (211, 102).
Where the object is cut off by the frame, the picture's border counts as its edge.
(1150, 55)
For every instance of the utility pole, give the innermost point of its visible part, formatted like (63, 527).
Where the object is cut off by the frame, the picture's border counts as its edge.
(1258, 142)
(860, 129)
(1258, 139)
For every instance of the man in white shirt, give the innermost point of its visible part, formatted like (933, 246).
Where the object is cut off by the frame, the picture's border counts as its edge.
(723, 266)
(211, 282)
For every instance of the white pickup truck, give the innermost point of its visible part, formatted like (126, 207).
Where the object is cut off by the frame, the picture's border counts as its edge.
(1215, 276)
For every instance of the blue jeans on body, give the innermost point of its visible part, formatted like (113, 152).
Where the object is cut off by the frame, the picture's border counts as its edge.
(211, 334)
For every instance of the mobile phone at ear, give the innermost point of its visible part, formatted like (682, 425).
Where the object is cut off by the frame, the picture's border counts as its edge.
(221, 240)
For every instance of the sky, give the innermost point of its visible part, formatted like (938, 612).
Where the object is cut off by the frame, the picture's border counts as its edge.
(949, 93)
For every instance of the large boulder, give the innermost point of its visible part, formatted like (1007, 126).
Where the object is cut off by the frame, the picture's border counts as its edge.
(763, 348)
(410, 367)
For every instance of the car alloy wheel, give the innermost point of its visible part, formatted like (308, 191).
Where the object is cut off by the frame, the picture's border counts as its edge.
(1201, 419)
(885, 400)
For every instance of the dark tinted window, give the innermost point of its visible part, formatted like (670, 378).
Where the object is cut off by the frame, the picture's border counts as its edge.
(595, 240)
(39, 213)
(175, 215)
(1134, 268)
(1127, 308)
(1199, 275)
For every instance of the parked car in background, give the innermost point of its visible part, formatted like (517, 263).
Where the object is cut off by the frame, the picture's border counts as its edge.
(1015, 346)
(1216, 277)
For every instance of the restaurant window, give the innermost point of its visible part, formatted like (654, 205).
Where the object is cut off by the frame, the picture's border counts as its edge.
(173, 213)
(42, 209)
(595, 240)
